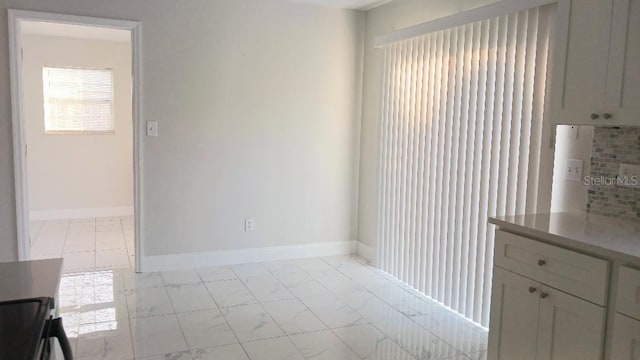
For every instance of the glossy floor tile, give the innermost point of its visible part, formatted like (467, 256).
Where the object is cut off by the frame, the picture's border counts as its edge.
(321, 308)
(85, 244)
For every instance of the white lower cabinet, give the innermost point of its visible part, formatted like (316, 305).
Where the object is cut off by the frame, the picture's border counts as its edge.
(626, 338)
(513, 325)
(626, 322)
(530, 321)
(569, 327)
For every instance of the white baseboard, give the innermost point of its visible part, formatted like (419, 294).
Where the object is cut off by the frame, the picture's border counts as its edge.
(243, 256)
(79, 213)
(366, 252)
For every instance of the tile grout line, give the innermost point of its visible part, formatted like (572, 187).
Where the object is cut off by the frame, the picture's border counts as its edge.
(311, 311)
(126, 305)
(368, 322)
(296, 297)
(404, 315)
(220, 310)
(261, 305)
(175, 314)
(460, 352)
(422, 297)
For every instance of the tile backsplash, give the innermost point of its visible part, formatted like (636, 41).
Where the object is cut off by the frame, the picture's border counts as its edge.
(613, 146)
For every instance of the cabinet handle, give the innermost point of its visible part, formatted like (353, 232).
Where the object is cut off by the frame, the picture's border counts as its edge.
(541, 262)
(532, 289)
(594, 116)
(543, 295)
(607, 116)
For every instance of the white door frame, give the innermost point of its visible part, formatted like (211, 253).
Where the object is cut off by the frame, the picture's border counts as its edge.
(19, 143)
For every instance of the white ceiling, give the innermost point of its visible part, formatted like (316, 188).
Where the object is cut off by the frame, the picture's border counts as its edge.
(75, 31)
(346, 4)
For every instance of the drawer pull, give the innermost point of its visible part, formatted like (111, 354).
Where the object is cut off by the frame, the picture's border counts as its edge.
(594, 116)
(607, 116)
(542, 262)
(532, 289)
(543, 295)
(581, 275)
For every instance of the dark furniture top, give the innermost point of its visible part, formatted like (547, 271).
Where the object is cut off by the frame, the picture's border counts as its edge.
(22, 327)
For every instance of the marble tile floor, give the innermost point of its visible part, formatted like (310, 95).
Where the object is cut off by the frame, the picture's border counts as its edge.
(329, 308)
(85, 244)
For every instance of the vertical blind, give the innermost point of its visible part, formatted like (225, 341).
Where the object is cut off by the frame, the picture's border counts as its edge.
(461, 130)
(77, 100)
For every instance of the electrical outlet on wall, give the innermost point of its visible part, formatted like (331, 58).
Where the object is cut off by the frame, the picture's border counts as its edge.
(249, 224)
(573, 170)
(629, 175)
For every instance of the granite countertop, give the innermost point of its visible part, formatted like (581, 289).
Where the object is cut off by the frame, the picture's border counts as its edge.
(30, 279)
(609, 237)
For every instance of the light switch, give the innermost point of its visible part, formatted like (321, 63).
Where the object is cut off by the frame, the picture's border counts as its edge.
(573, 170)
(629, 175)
(249, 224)
(152, 128)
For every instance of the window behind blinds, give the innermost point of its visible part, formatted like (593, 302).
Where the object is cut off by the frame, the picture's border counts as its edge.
(460, 140)
(78, 100)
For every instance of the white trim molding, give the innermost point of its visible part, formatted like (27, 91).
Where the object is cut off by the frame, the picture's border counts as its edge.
(250, 255)
(462, 18)
(366, 252)
(374, 5)
(19, 143)
(40, 215)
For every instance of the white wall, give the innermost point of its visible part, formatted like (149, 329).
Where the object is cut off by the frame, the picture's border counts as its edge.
(72, 172)
(258, 104)
(569, 195)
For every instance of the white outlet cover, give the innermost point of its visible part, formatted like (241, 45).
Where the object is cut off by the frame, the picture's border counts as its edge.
(573, 170)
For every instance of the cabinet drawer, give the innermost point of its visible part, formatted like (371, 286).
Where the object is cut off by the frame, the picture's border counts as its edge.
(628, 294)
(578, 274)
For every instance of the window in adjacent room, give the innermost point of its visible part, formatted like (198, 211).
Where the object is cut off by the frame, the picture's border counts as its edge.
(78, 101)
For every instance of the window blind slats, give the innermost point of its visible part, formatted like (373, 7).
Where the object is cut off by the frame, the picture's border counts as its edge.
(458, 146)
(77, 100)
(420, 113)
(460, 140)
(482, 136)
(529, 69)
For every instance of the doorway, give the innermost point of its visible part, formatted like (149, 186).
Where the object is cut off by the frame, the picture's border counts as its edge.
(77, 135)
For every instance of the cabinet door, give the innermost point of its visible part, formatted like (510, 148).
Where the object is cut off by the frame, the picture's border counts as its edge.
(626, 338)
(514, 317)
(580, 61)
(628, 292)
(569, 328)
(623, 75)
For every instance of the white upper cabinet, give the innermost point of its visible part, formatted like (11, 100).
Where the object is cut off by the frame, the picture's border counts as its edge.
(596, 66)
(623, 74)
